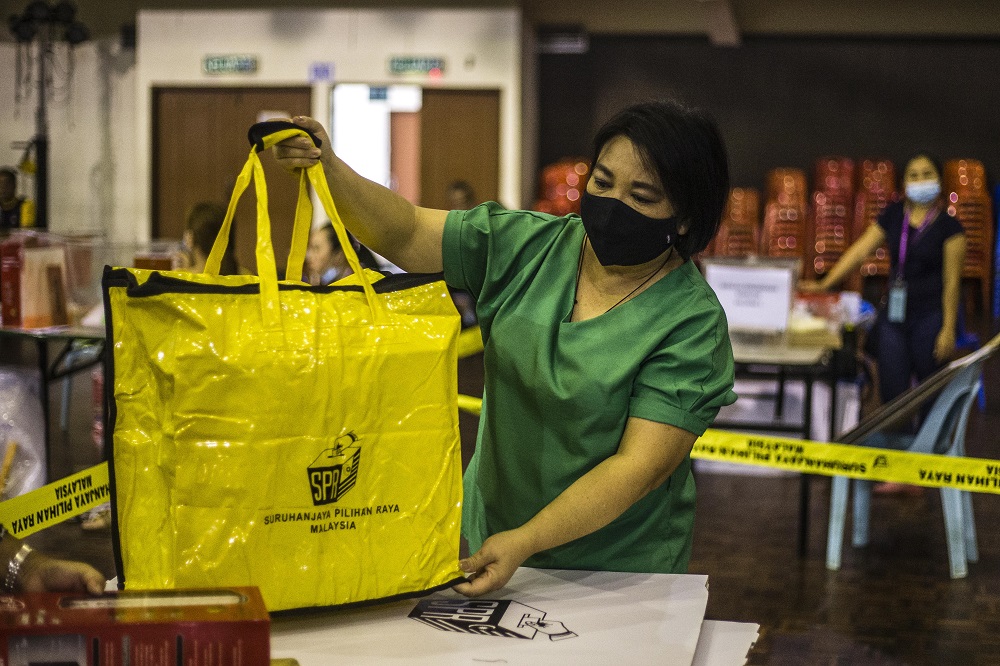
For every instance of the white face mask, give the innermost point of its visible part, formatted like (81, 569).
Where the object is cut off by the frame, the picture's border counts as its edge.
(923, 191)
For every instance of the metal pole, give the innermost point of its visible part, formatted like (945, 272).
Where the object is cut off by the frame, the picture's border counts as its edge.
(41, 133)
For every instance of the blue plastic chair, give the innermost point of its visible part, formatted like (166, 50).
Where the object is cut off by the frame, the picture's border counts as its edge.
(943, 432)
(967, 342)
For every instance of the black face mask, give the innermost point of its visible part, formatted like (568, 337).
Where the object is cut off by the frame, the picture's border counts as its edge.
(621, 235)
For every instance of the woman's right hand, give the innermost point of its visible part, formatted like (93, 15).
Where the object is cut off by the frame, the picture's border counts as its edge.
(493, 565)
(299, 152)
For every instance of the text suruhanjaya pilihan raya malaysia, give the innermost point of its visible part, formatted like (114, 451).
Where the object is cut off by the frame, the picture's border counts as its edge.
(328, 520)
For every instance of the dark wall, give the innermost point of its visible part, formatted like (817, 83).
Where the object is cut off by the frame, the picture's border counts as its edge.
(787, 101)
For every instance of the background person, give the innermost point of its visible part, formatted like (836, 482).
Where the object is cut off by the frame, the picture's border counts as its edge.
(460, 195)
(201, 227)
(915, 331)
(606, 353)
(15, 212)
(325, 260)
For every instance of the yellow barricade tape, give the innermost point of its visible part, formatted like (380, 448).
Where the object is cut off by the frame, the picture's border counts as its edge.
(470, 341)
(470, 404)
(76, 494)
(860, 462)
(54, 503)
(979, 475)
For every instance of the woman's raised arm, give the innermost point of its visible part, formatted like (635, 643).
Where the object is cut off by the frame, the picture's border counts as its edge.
(407, 235)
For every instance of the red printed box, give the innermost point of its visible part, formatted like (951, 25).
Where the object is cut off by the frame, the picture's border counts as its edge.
(33, 286)
(203, 627)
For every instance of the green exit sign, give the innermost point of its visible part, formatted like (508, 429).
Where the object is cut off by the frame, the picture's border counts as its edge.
(229, 64)
(416, 65)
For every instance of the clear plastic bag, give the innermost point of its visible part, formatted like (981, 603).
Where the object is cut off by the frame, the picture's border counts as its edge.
(21, 426)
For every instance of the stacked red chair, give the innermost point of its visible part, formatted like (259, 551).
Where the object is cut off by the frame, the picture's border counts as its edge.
(739, 232)
(876, 190)
(562, 184)
(832, 214)
(968, 200)
(783, 230)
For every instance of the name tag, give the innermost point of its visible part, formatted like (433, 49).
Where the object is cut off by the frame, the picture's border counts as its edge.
(897, 303)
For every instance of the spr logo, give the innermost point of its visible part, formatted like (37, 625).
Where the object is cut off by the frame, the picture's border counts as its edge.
(335, 471)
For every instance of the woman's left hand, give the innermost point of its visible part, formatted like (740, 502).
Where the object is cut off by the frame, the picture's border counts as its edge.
(45, 574)
(494, 564)
(944, 345)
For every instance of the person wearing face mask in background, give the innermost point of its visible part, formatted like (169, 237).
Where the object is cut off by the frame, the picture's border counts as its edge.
(606, 352)
(201, 226)
(916, 329)
(325, 260)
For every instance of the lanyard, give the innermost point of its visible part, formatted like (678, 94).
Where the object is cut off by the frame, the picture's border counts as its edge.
(905, 237)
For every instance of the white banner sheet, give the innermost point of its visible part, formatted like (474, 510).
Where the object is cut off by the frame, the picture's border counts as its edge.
(540, 617)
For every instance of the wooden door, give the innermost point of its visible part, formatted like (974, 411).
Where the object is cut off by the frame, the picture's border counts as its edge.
(199, 146)
(404, 154)
(460, 140)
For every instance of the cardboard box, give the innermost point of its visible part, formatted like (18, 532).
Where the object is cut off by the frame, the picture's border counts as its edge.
(816, 321)
(154, 261)
(10, 281)
(824, 338)
(203, 627)
(33, 281)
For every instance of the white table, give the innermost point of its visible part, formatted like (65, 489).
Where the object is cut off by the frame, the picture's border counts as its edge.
(724, 643)
(777, 359)
(590, 618)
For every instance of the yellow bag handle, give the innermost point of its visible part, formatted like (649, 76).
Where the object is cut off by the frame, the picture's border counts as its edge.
(262, 136)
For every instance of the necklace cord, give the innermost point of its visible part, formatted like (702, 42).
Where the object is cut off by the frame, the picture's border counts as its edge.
(579, 271)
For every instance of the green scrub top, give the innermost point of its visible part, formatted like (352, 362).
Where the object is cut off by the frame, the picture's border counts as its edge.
(558, 393)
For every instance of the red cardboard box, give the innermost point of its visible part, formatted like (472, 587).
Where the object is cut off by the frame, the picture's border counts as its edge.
(204, 627)
(33, 281)
(11, 251)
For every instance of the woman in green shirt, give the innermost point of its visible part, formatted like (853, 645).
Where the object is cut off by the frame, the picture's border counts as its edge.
(606, 353)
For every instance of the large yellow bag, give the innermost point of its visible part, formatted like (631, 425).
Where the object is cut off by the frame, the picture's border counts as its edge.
(301, 439)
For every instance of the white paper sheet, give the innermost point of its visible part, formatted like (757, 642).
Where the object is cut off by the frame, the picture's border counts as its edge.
(614, 618)
(725, 643)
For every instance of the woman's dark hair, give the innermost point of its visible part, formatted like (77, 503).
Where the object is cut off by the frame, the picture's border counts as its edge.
(930, 157)
(365, 256)
(683, 147)
(466, 190)
(205, 222)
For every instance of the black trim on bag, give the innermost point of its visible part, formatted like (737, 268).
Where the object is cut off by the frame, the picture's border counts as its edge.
(158, 284)
(315, 610)
(110, 279)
